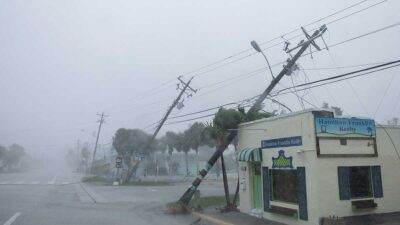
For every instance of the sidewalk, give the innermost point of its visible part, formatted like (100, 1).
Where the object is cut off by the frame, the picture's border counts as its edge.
(238, 218)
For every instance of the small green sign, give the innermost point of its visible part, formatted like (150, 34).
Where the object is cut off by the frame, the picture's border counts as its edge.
(282, 161)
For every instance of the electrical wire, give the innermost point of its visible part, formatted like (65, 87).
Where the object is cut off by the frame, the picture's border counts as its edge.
(276, 38)
(347, 74)
(287, 33)
(151, 91)
(330, 79)
(391, 140)
(383, 96)
(181, 121)
(293, 31)
(356, 37)
(334, 81)
(349, 83)
(280, 63)
(340, 67)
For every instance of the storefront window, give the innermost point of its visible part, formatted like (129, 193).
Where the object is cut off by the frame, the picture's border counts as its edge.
(284, 185)
(360, 181)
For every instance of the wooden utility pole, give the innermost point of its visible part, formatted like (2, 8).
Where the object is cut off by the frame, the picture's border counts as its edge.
(101, 121)
(174, 103)
(303, 45)
(78, 155)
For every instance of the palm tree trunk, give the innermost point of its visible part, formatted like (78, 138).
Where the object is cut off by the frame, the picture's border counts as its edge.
(197, 162)
(236, 193)
(225, 179)
(187, 165)
(237, 185)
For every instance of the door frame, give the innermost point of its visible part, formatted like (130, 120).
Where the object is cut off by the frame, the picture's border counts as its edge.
(256, 180)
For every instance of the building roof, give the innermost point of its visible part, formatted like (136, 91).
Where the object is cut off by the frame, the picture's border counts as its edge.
(285, 115)
(388, 126)
(312, 110)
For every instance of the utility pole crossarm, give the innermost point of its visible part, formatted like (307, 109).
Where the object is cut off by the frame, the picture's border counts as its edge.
(101, 121)
(185, 198)
(174, 103)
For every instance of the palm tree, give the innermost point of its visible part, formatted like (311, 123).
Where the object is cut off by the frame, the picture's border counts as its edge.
(224, 120)
(128, 142)
(170, 140)
(193, 136)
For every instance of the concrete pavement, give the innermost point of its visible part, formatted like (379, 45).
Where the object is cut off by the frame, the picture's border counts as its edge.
(57, 197)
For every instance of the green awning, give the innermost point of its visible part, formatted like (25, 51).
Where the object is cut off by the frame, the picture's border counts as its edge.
(250, 155)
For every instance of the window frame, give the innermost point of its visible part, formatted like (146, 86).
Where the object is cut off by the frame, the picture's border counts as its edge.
(370, 183)
(271, 183)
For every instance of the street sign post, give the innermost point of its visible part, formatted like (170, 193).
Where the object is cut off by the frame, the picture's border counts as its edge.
(139, 157)
(118, 165)
(118, 162)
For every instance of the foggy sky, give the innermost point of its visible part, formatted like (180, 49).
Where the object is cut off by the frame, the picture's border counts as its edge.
(61, 62)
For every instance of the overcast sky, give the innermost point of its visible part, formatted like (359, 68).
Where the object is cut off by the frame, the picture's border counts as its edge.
(61, 62)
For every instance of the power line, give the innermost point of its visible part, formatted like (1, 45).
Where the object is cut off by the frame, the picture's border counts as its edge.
(343, 75)
(205, 110)
(181, 121)
(331, 46)
(397, 104)
(342, 67)
(263, 43)
(384, 95)
(335, 81)
(153, 90)
(281, 92)
(357, 37)
(285, 34)
(350, 85)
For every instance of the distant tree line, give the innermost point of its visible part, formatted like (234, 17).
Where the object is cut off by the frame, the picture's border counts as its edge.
(131, 142)
(10, 157)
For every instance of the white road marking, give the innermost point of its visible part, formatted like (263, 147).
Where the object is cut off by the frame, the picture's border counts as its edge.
(20, 182)
(64, 183)
(12, 219)
(151, 189)
(35, 182)
(4, 182)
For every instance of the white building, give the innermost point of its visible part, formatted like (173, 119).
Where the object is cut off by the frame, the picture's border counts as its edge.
(301, 167)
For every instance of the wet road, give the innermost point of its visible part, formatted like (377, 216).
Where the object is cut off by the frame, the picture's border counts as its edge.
(57, 197)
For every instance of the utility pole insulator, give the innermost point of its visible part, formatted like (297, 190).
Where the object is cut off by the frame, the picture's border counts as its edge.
(174, 104)
(185, 198)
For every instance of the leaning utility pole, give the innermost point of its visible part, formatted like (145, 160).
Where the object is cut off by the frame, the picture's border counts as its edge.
(101, 121)
(287, 69)
(174, 103)
(162, 121)
(78, 154)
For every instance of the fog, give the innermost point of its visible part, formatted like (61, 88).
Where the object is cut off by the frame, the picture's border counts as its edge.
(62, 62)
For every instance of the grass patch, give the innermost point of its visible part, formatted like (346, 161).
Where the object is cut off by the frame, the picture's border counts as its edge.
(204, 202)
(208, 201)
(148, 183)
(96, 180)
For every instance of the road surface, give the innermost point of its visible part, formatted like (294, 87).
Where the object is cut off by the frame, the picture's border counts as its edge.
(57, 197)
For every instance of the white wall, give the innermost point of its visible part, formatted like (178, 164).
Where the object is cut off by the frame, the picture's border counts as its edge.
(321, 173)
(328, 190)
